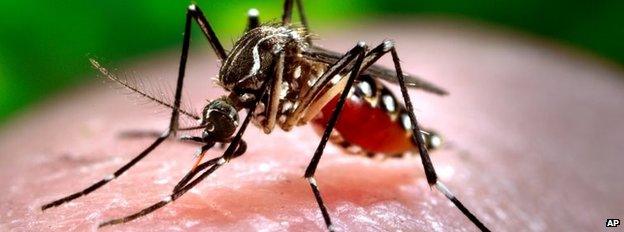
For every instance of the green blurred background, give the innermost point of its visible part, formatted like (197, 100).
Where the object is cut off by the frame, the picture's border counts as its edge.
(44, 45)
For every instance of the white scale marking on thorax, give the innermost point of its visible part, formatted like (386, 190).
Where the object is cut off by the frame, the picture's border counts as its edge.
(284, 90)
(256, 56)
(297, 72)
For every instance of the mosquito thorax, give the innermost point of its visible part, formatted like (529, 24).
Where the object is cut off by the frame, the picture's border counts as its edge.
(221, 120)
(252, 58)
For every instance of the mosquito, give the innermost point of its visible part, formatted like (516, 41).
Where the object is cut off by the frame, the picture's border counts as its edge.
(280, 78)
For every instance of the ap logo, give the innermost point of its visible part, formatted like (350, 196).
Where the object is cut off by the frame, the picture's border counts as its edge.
(613, 222)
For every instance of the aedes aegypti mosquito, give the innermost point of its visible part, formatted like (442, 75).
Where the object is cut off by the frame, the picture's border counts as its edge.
(280, 78)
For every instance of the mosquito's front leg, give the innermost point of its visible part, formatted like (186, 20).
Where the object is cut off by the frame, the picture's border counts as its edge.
(192, 13)
(236, 148)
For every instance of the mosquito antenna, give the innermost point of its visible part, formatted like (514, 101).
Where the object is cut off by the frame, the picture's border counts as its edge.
(135, 89)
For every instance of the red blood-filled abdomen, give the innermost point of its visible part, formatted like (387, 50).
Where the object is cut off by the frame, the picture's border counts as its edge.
(369, 127)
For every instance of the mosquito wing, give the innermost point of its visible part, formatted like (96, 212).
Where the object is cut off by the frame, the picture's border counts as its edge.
(330, 57)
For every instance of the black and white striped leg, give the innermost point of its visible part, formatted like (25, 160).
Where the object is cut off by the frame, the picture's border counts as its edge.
(172, 197)
(236, 148)
(240, 150)
(193, 12)
(196, 13)
(108, 178)
(287, 16)
(213, 164)
(432, 178)
(356, 53)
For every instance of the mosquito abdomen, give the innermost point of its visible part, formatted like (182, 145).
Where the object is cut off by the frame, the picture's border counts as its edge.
(372, 121)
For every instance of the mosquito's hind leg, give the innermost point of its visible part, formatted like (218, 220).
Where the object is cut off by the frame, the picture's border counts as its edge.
(432, 177)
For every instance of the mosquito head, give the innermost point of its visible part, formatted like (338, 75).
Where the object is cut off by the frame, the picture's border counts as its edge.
(221, 120)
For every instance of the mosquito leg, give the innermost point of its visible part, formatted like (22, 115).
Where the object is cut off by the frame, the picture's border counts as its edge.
(360, 50)
(173, 125)
(274, 95)
(182, 187)
(304, 20)
(315, 90)
(108, 178)
(287, 15)
(253, 19)
(204, 25)
(430, 172)
(432, 178)
(240, 150)
(172, 197)
(234, 150)
(196, 168)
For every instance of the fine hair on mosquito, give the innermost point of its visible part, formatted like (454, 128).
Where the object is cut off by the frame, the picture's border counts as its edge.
(276, 74)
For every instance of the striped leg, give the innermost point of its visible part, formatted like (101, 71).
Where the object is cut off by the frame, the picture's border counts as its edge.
(236, 148)
(357, 54)
(287, 15)
(432, 178)
(192, 13)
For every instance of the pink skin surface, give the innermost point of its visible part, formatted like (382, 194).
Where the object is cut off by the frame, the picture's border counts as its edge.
(533, 143)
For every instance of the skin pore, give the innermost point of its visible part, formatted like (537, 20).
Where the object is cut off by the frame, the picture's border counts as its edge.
(531, 134)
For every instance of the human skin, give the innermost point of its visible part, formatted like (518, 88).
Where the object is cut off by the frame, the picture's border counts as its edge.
(533, 139)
